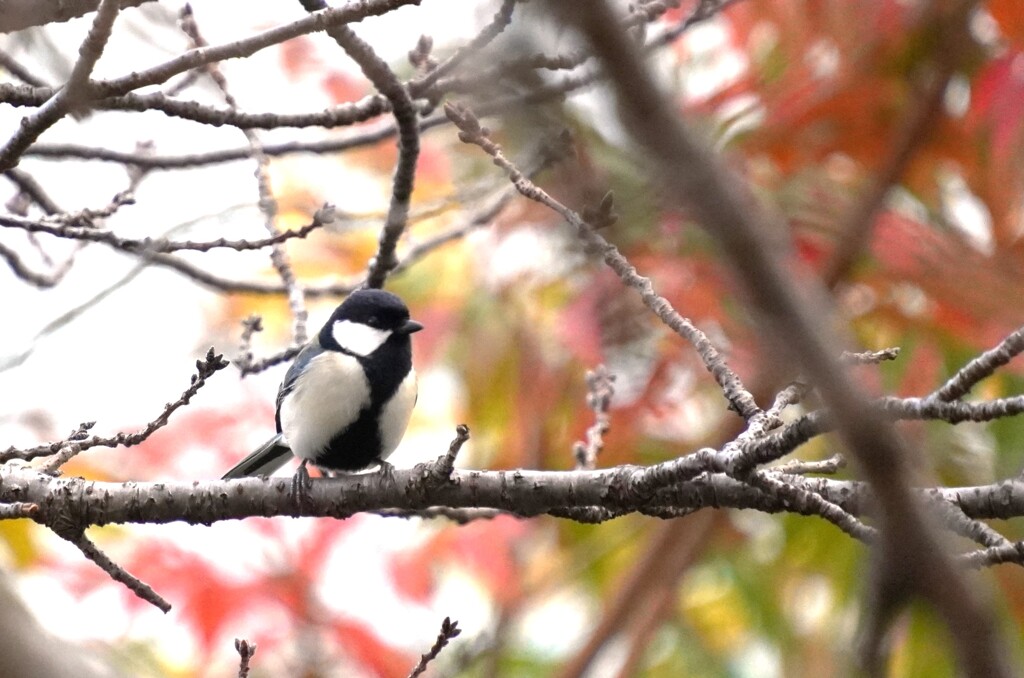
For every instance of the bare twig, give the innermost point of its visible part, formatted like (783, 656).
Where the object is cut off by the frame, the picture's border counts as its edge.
(41, 280)
(250, 326)
(19, 14)
(11, 65)
(337, 289)
(268, 205)
(600, 389)
(1011, 552)
(257, 366)
(954, 518)
(870, 357)
(443, 466)
(245, 651)
(159, 245)
(735, 393)
(910, 551)
(202, 56)
(828, 466)
(27, 185)
(449, 630)
(502, 18)
(78, 440)
(86, 218)
(407, 121)
(72, 95)
(808, 503)
(981, 367)
(116, 572)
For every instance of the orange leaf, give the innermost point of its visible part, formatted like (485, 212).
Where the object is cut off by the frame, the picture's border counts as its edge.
(1009, 14)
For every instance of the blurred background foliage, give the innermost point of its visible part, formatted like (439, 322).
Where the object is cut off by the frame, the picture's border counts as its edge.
(807, 99)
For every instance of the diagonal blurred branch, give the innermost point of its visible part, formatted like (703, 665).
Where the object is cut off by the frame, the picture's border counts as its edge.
(670, 551)
(910, 550)
(926, 111)
(11, 65)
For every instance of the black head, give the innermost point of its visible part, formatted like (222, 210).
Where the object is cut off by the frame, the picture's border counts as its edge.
(376, 308)
(365, 320)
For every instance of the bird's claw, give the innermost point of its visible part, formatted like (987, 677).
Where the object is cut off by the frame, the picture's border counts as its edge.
(301, 485)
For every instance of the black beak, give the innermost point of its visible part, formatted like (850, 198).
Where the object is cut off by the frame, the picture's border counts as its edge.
(408, 327)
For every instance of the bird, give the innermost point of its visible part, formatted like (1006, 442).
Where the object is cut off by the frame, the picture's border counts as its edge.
(347, 397)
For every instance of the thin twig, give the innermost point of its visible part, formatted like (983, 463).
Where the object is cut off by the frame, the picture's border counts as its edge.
(160, 245)
(1011, 552)
(27, 185)
(257, 366)
(735, 392)
(954, 518)
(203, 56)
(250, 326)
(23, 271)
(981, 367)
(12, 66)
(204, 370)
(449, 630)
(805, 502)
(600, 389)
(870, 357)
(406, 117)
(245, 651)
(74, 92)
(444, 465)
(86, 218)
(116, 572)
(499, 22)
(267, 203)
(798, 467)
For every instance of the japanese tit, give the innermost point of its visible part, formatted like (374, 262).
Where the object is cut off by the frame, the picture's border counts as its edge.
(346, 400)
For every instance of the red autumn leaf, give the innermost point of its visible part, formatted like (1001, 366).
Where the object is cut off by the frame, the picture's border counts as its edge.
(997, 103)
(483, 549)
(298, 56)
(342, 88)
(1009, 14)
(368, 649)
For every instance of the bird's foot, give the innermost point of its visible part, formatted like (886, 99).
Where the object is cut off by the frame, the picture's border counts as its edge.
(301, 485)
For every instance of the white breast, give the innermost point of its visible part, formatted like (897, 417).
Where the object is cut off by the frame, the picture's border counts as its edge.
(395, 416)
(330, 395)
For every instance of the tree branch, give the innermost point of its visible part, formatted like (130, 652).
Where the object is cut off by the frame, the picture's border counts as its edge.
(797, 321)
(74, 92)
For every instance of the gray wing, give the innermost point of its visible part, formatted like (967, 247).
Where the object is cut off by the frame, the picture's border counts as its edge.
(275, 453)
(308, 352)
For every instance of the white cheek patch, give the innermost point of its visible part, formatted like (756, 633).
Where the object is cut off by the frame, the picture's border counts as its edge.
(358, 338)
(329, 395)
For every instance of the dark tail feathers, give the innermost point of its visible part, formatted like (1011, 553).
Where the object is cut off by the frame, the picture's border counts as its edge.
(271, 456)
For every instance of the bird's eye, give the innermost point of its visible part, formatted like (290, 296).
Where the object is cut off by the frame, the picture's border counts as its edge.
(374, 321)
